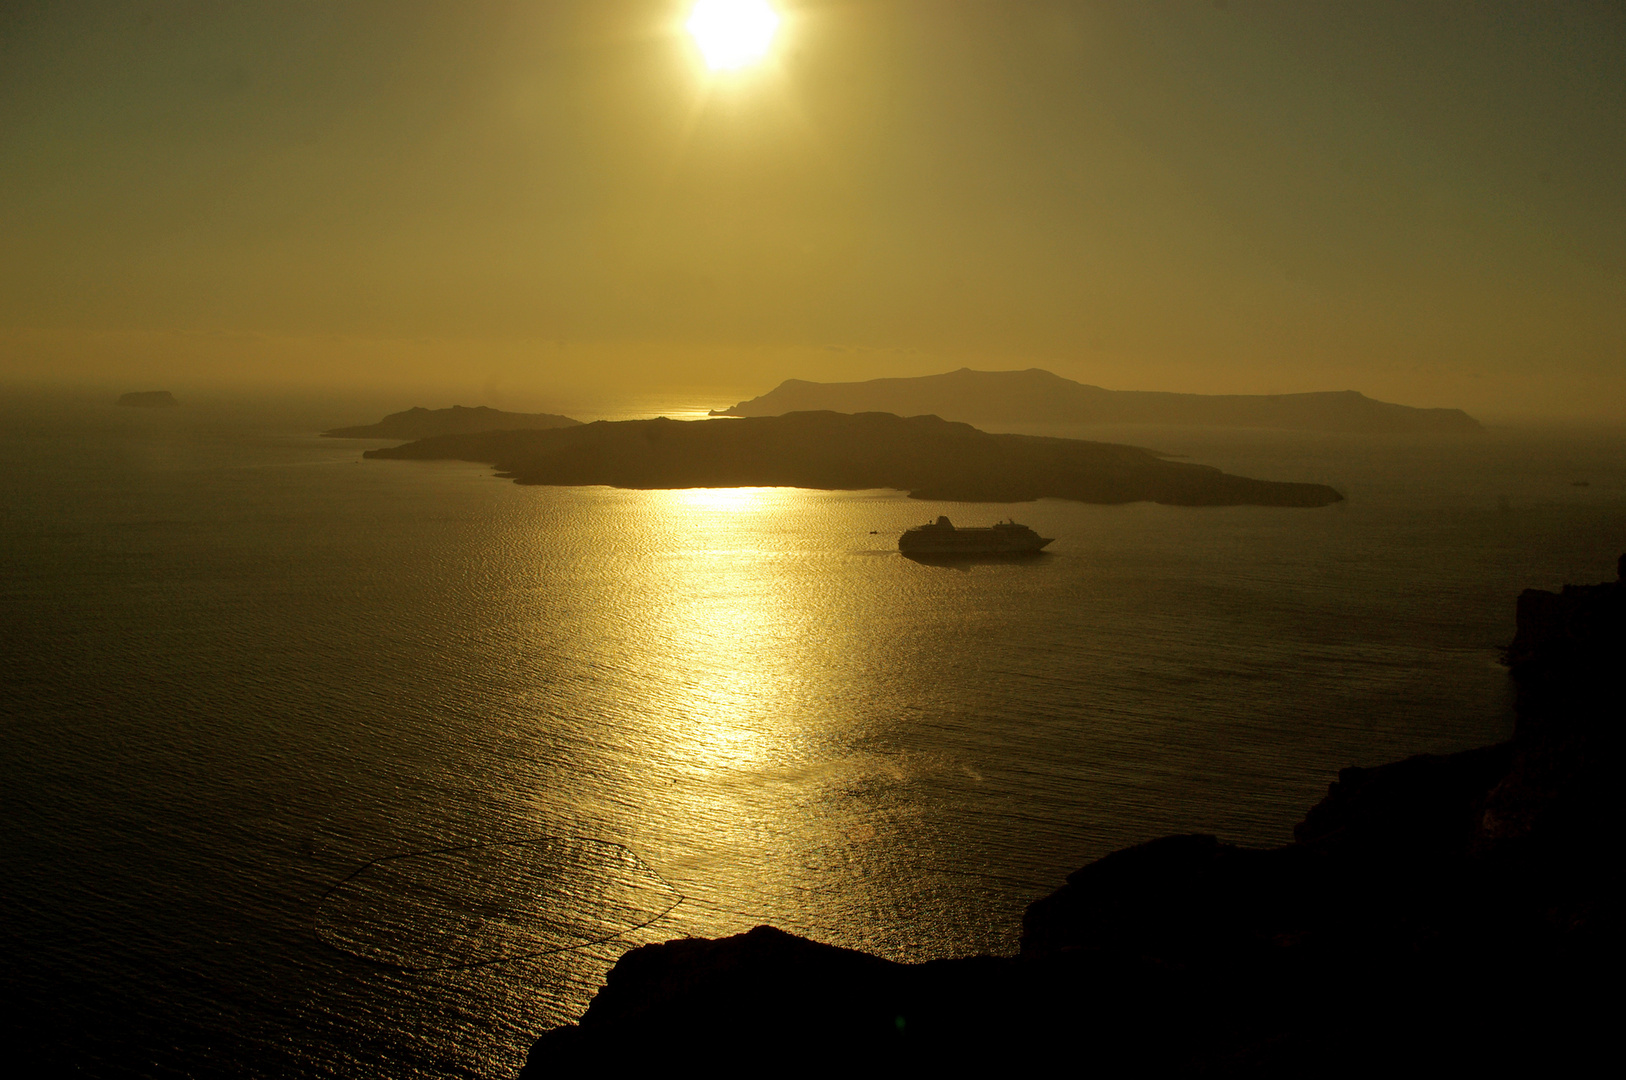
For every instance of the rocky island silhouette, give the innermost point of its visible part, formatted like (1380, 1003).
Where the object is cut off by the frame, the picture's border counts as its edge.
(926, 456)
(1454, 912)
(419, 423)
(1038, 396)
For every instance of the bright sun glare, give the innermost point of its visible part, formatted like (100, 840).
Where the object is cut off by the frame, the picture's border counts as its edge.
(733, 33)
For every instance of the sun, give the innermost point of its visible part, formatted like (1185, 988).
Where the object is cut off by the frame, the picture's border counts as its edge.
(733, 33)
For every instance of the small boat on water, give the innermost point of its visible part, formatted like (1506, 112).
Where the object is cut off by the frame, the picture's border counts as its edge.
(942, 538)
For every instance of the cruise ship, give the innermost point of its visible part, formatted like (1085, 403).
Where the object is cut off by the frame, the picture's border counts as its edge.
(942, 538)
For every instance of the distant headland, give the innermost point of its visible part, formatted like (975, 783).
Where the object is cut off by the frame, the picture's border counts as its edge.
(148, 399)
(421, 423)
(1035, 396)
(928, 457)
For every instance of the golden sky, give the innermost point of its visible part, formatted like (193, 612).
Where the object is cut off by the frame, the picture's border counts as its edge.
(1423, 201)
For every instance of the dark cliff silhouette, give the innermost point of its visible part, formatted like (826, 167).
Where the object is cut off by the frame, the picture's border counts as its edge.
(420, 423)
(1036, 396)
(1458, 913)
(928, 457)
(148, 399)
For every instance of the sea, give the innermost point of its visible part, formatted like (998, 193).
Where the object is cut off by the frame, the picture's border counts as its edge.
(316, 766)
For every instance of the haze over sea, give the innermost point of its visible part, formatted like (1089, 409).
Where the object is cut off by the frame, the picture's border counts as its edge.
(240, 664)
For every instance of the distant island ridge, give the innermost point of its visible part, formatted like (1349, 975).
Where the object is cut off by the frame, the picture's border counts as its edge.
(420, 423)
(926, 456)
(148, 399)
(1036, 396)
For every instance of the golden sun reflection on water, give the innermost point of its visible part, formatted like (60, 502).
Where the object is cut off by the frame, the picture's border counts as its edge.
(713, 500)
(724, 629)
(731, 625)
(780, 715)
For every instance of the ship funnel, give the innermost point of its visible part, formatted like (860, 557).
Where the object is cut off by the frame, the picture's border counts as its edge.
(944, 521)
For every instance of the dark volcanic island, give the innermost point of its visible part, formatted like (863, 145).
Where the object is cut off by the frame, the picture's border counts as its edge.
(923, 455)
(420, 423)
(1037, 396)
(1456, 914)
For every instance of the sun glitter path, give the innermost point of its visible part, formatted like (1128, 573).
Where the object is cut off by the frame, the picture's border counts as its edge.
(481, 904)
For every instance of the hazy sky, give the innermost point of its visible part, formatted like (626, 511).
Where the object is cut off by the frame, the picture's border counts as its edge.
(1424, 201)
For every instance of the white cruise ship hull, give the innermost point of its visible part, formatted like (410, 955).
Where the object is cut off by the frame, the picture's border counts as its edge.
(942, 538)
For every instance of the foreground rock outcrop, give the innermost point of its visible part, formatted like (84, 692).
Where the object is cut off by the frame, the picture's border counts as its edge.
(1035, 396)
(923, 455)
(1456, 913)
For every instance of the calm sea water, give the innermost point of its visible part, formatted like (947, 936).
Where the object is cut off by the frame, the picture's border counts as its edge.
(315, 766)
